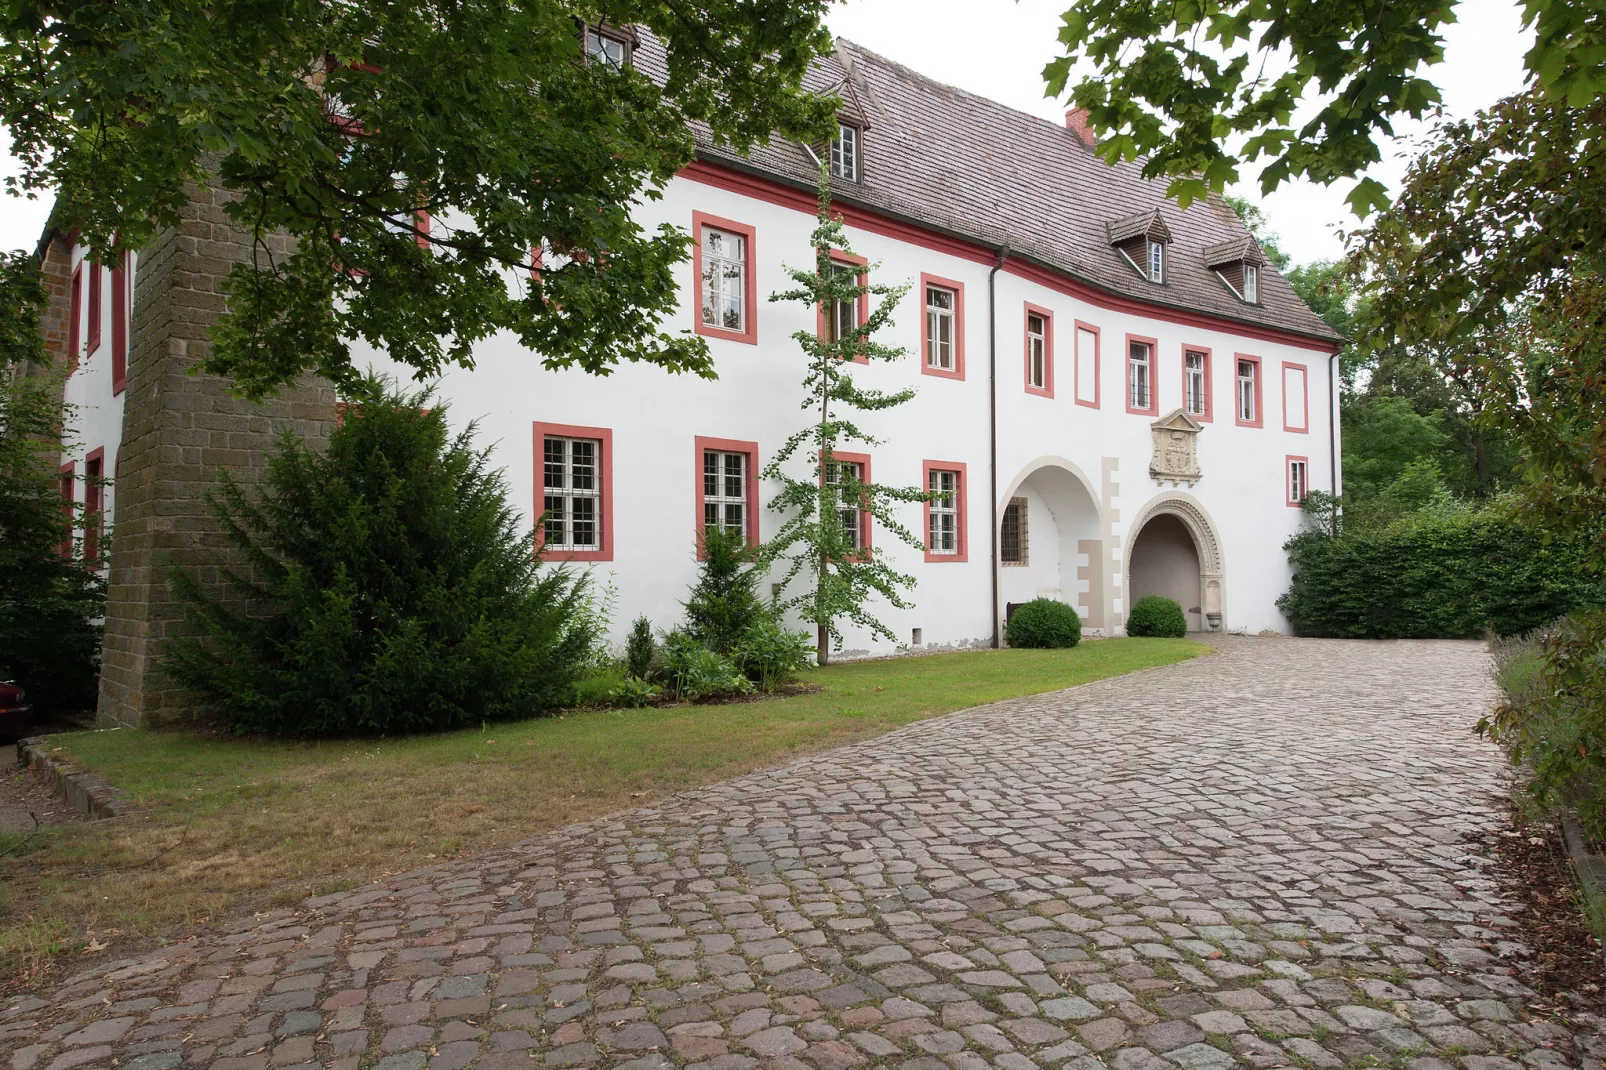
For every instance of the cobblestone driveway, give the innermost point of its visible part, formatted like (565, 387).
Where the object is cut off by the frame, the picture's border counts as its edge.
(1259, 858)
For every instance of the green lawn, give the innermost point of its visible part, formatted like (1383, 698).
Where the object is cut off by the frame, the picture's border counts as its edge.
(234, 824)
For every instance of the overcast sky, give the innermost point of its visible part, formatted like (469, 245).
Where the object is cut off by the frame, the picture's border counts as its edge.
(997, 48)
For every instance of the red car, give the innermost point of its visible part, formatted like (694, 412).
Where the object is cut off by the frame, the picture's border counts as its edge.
(15, 714)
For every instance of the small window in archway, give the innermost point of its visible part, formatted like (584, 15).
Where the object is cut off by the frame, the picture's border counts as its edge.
(1012, 533)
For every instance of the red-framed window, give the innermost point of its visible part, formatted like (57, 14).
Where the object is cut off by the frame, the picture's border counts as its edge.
(121, 306)
(1039, 343)
(727, 487)
(1296, 398)
(724, 278)
(942, 327)
(856, 519)
(1142, 384)
(1247, 391)
(1197, 391)
(93, 333)
(75, 316)
(836, 321)
(1296, 480)
(1087, 364)
(574, 491)
(66, 477)
(94, 503)
(946, 536)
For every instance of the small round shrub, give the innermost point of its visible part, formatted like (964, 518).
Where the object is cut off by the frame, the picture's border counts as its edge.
(1044, 623)
(1157, 615)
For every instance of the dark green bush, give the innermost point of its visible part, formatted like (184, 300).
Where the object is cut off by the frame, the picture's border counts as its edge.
(724, 601)
(1156, 615)
(1044, 623)
(50, 605)
(1442, 572)
(392, 588)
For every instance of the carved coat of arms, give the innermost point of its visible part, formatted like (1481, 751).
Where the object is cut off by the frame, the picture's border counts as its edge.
(1176, 449)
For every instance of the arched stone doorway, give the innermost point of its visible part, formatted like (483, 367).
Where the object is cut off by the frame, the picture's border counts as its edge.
(1174, 552)
(1051, 540)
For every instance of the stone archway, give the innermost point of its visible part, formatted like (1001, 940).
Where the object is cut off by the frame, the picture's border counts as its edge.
(1174, 551)
(1057, 527)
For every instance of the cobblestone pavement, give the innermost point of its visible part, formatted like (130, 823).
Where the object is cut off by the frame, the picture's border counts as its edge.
(1259, 858)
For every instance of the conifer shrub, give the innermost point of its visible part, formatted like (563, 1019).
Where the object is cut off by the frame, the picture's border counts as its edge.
(724, 601)
(1044, 623)
(640, 649)
(390, 590)
(1156, 615)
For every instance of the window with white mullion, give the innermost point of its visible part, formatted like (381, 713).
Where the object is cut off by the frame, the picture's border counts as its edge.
(1248, 370)
(940, 306)
(1251, 283)
(848, 510)
(943, 536)
(724, 298)
(843, 318)
(572, 493)
(725, 491)
(1156, 261)
(1139, 376)
(1037, 351)
(845, 152)
(1298, 481)
(1193, 377)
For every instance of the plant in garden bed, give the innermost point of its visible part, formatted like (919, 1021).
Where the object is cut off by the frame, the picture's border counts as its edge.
(770, 655)
(1548, 720)
(695, 672)
(390, 588)
(821, 541)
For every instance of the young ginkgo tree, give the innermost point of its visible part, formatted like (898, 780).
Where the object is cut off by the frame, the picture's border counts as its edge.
(823, 544)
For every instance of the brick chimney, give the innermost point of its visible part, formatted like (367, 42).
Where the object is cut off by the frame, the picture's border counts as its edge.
(1076, 123)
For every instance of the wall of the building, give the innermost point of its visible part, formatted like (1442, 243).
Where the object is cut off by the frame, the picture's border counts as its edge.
(654, 418)
(97, 408)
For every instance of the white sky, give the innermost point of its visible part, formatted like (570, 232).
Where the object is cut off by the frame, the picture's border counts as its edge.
(997, 48)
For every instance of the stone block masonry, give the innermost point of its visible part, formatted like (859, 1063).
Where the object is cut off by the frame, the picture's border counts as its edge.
(179, 429)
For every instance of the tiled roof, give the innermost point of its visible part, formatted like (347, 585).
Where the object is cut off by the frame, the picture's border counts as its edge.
(975, 168)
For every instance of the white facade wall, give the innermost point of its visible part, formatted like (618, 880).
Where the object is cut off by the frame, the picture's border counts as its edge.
(96, 409)
(1102, 453)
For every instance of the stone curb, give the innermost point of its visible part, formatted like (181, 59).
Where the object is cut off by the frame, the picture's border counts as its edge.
(1589, 867)
(86, 792)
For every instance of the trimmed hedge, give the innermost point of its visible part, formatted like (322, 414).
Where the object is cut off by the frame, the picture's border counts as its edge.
(1156, 615)
(1440, 573)
(1044, 624)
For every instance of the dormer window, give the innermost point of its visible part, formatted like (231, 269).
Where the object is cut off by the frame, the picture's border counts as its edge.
(606, 49)
(1237, 263)
(1140, 240)
(845, 152)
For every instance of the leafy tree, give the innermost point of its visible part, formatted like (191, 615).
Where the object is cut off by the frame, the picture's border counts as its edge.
(724, 601)
(339, 123)
(50, 604)
(392, 588)
(1197, 89)
(820, 542)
